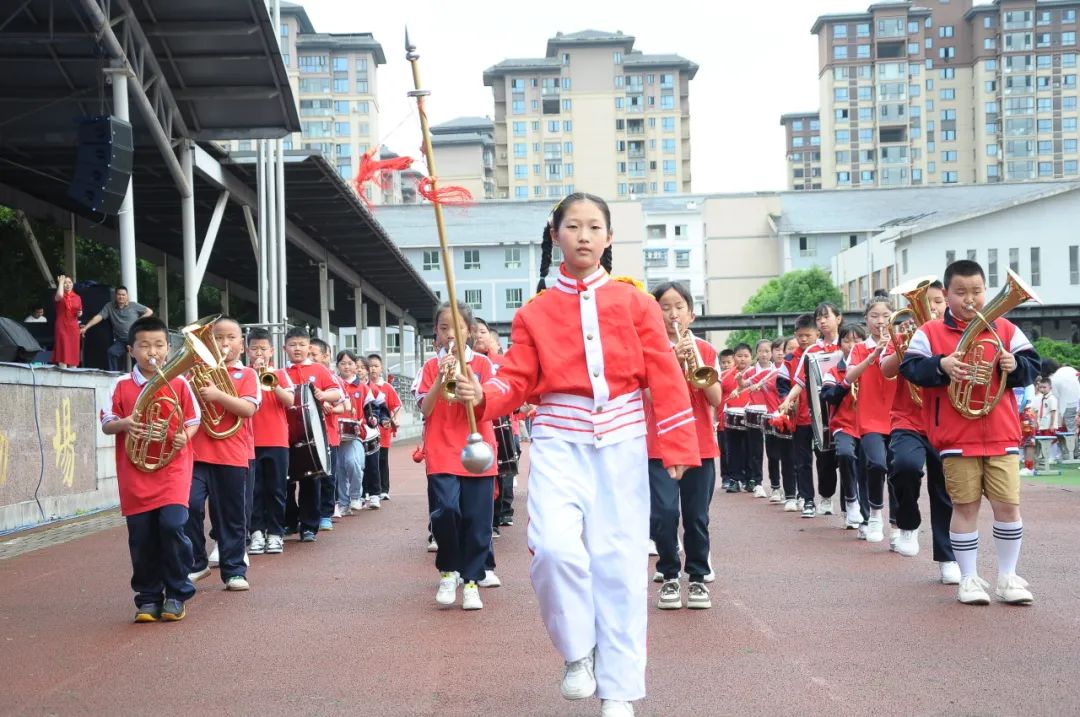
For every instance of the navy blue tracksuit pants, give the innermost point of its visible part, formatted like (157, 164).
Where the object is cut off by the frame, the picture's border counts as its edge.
(328, 488)
(874, 447)
(226, 487)
(268, 498)
(692, 494)
(850, 465)
(909, 452)
(160, 555)
(461, 510)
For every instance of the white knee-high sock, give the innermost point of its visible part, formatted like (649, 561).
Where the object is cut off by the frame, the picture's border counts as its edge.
(966, 548)
(1007, 539)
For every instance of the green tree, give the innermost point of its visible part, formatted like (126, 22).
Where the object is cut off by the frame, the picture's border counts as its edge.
(1063, 352)
(794, 292)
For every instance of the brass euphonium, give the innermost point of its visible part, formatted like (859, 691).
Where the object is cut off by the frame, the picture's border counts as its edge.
(208, 370)
(916, 314)
(697, 373)
(962, 394)
(449, 384)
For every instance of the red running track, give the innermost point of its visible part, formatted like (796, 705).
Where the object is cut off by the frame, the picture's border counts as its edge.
(805, 621)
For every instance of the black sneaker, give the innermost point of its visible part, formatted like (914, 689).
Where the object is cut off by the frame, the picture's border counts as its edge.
(808, 510)
(307, 537)
(506, 522)
(725, 484)
(173, 611)
(748, 486)
(495, 533)
(148, 613)
(732, 486)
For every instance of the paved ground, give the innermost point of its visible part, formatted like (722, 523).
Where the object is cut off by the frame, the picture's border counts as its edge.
(806, 621)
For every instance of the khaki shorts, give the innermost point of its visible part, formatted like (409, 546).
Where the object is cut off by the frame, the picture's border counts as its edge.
(967, 479)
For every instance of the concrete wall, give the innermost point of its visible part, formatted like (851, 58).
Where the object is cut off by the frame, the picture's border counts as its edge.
(51, 445)
(741, 250)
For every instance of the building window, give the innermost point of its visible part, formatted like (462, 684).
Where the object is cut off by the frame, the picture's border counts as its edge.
(950, 257)
(1036, 273)
(342, 129)
(807, 246)
(474, 299)
(839, 31)
(520, 149)
(656, 231)
(312, 63)
(682, 258)
(514, 298)
(1014, 259)
(656, 258)
(431, 260)
(951, 177)
(616, 57)
(513, 258)
(284, 29)
(991, 267)
(472, 259)
(1074, 265)
(840, 52)
(521, 192)
(903, 261)
(517, 107)
(682, 231)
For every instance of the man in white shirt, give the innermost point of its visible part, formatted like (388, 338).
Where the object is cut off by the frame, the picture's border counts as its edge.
(1065, 386)
(37, 316)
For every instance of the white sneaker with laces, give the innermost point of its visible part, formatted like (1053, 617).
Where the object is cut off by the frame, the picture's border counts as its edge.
(950, 572)
(357, 504)
(337, 512)
(373, 503)
(658, 577)
(199, 575)
(212, 560)
(578, 681)
(759, 491)
(907, 543)
(894, 535)
(470, 597)
(258, 543)
(384, 496)
(800, 503)
(432, 546)
(791, 506)
(875, 530)
(972, 591)
(670, 597)
(825, 507)
(864, 530)
(237, 583)
(1013, 589)
(616, 708)
(652, 548)
(275, 544)
(697, 597)
(777, 495)
(447, 592)
(491, 580)
(852, 515)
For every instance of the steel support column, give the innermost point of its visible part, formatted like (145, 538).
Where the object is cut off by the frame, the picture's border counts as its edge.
(324, 304)
(126, 218)
(382, 331)
(358, 317)
(187, 221)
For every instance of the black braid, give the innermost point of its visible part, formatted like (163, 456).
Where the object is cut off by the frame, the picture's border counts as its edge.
(545, 258)
(605, 259)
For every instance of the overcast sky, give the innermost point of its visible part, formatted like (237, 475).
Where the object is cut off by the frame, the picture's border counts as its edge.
(734, 122)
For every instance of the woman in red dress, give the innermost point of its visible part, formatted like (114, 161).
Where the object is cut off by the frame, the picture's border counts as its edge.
(68, 311)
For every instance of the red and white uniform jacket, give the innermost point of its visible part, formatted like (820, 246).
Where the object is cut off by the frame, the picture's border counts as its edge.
(446, 429)
(393, 404)
(704, 414)
(760, 377)
(239, 448)
(170, 485)
(589, 348)
(905, 415)
(270, 424)
(770, 394)
(875, 393)
(786, 378)
(320, 377)
(950, 433)
(837, 393)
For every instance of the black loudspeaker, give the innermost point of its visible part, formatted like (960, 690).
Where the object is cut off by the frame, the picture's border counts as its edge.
(103, 164)
(16, 343)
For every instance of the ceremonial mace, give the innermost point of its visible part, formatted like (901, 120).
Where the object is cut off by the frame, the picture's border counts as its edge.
(477, 455)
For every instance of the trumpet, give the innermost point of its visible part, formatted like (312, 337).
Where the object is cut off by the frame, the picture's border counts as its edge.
(697, 373)
(268, 380)
(449, 383)
(962, 394)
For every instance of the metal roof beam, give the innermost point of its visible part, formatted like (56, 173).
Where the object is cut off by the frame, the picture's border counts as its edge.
(201, 29)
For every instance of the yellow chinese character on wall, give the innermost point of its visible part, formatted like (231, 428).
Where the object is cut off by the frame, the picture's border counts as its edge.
(5, 451)
(64, 443)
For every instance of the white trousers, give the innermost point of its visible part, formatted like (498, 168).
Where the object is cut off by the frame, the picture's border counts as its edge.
(589, 532)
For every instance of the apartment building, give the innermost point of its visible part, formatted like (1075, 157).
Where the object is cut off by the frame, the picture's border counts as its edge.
(674, 248)
(465, 154)
(940, 92)
(623, 113)
(802, 137)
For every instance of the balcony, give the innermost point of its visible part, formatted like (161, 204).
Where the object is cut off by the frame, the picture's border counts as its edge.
(549, 91)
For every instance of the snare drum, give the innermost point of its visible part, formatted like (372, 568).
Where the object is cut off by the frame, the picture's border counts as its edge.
(755, 417)
(735, 419)
(350, 429)
(371, 439)
(771, 430)
(508, 451)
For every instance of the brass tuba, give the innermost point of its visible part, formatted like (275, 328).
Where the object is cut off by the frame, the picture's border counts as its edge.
(916, 314)
(210, 369)
(963, 394)
(697, 373)
(156, 412)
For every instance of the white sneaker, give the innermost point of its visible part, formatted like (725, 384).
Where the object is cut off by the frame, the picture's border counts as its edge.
(212, 561)
(950, 572)
(670, 597)
(578, 681)
(491, 580)
(973, 591)
(777, 495)
(800, 504)
(615, 708)
(1026, 472)
(432, 546)
(470, 597)
(825, 507)
(275, 544)
(384, 496)
(258, 543)
(759, 491)
(658, 577)
(237, 583)
(697, 597)
(864, 530)
(196, 576)
(337, 512)
(246, 561)
(357, 504)
(1013, 589)
(907, 543)
(791, 506)
(373, 502)
(875, 530)
(710, 576)
(894, 535)
(447, 592)
(652, 548)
